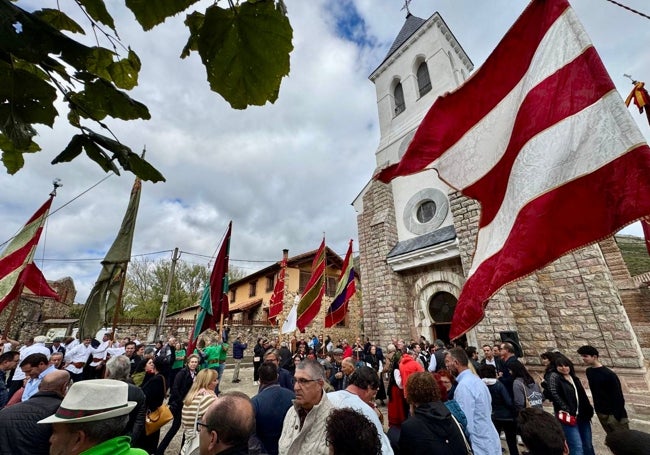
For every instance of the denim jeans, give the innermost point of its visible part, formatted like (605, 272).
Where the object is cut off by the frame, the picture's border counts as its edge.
(578, 438)
(220, 368)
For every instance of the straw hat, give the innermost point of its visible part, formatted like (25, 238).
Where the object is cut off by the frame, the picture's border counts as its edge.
(92, 400)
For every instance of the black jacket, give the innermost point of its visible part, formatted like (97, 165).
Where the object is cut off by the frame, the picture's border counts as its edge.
(431, 429)
(563, 396)
(154, 392)
(19, 432)
(502, 405)
(135, 426)
(182, 384)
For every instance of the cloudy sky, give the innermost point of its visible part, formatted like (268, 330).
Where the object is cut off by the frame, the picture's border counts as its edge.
(285, 173)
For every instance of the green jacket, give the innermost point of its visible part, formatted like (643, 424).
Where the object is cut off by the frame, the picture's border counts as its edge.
(223, 353)
(212, 355)
(120, 445)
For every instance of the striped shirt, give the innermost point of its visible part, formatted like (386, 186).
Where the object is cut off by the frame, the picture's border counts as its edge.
(202, 402)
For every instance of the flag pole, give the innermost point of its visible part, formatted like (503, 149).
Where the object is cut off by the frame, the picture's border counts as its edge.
(12, 314)
(118, 304)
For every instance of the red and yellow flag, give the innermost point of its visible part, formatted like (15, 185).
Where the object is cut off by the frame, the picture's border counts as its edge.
(312, 297)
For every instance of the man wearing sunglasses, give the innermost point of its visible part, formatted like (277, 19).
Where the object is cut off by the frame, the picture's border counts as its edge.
(303, 430)
(227, 425)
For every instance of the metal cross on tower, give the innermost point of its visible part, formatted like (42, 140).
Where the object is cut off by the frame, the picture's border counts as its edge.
(406, 7)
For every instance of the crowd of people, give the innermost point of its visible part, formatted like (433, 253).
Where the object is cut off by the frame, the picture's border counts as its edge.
(313, 395)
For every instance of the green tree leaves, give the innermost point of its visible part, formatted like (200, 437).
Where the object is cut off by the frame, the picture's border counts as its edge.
(149, 15)
(245, 48)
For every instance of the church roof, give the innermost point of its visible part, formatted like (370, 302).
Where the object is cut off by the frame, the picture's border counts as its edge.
(436, 237)
(410, 26)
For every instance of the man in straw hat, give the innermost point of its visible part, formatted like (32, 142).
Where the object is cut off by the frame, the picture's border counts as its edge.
(91, 419)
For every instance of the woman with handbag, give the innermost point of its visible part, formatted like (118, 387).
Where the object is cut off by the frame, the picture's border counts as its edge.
(197, 401)
(571, 406)
(431, 428)
(182, 384)
(258, 354)
(154, 388)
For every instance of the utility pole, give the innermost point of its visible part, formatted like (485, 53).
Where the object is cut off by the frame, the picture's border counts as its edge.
(165, 299)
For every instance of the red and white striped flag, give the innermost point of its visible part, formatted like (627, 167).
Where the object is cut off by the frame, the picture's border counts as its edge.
(276, 304)
(548, 149)
(17, 269)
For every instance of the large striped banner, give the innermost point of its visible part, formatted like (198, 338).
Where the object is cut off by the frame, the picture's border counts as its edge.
(548, 149)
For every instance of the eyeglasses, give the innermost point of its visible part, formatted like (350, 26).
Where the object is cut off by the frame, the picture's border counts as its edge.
(200, 424)
(303, 381)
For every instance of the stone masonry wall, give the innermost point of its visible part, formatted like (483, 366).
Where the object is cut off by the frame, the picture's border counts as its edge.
(27, 319)
(571, 302)
(384, 314)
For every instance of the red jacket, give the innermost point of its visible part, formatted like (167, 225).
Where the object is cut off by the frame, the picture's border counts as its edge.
(408, 366)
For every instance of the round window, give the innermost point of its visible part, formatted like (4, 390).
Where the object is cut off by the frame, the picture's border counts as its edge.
(426, 211)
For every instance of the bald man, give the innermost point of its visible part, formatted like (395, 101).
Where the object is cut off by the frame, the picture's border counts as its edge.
(227, 425)
(18, 429)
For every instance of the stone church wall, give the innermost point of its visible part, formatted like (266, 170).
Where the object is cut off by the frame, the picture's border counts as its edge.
(384, 291)
(571, 302)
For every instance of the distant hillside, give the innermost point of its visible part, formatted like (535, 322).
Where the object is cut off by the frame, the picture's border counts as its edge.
(634, 253)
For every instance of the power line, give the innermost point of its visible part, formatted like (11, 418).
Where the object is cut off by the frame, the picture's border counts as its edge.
(629, 9)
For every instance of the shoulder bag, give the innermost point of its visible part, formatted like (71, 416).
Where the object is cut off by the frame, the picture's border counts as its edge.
(468, 446)
(191, 446)
(156, 419)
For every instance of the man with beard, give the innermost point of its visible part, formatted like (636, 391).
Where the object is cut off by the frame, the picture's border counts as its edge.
(474, 399)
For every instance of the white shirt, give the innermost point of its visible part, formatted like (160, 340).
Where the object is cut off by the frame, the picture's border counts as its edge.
(345, 399)
(79, 353)
(100, 352)
(433, 363)
(36, 348)
(115, 351)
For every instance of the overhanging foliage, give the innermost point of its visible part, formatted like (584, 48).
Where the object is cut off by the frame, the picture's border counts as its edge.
(245, 48)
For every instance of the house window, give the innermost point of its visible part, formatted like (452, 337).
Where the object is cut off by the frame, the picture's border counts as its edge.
(233, 293)
(330, 289)
(252, 288)
(398, 94)
(424, 81)
(270, 282)
(304, 279)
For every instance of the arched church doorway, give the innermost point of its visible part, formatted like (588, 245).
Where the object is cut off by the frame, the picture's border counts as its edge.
(441, 308)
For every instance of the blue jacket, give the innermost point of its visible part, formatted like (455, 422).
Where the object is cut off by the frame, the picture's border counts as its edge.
(271, 405)
(238, 349)
(285, 379)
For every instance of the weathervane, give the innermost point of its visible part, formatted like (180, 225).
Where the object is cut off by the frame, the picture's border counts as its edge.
(406, 7)
(57, 184)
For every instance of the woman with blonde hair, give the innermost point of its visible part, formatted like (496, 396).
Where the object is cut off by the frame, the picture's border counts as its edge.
(197, 401)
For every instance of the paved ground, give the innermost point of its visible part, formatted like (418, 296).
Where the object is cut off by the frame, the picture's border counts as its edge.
(246, 385)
